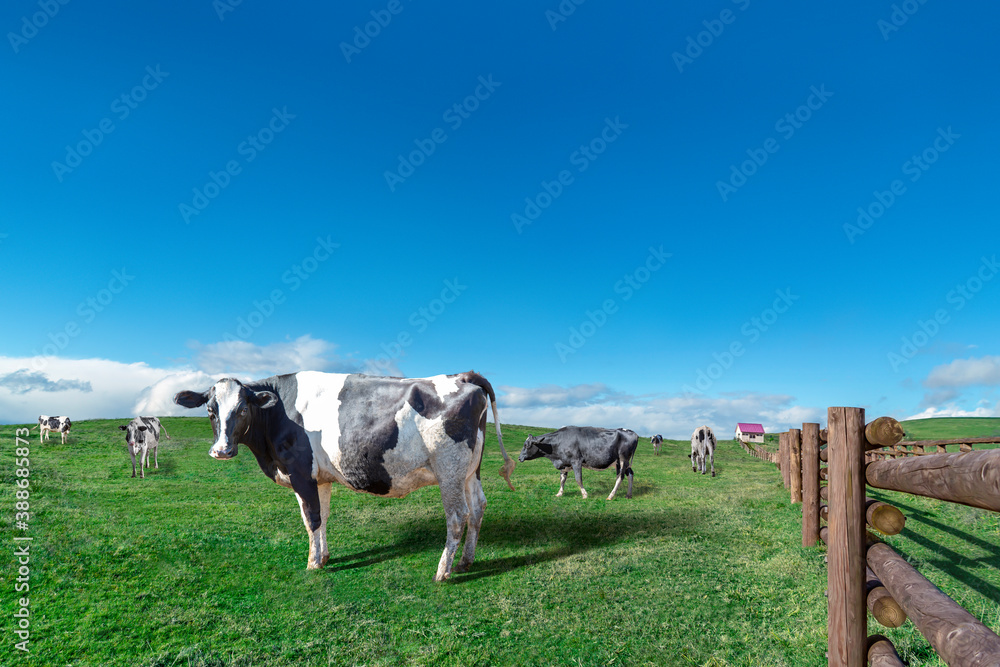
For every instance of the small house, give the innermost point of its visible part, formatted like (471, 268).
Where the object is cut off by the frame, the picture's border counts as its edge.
(750, 432)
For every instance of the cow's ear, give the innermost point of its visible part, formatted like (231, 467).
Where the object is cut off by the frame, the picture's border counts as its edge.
(264, 399)
(191, 399)
(123, 428)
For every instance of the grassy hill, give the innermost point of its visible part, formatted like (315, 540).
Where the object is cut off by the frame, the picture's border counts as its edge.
(203, 564)
(951, 427)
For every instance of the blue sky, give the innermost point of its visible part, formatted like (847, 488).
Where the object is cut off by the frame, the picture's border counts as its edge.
(636, 216)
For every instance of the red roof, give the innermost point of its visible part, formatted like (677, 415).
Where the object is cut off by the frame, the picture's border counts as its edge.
(751, 428)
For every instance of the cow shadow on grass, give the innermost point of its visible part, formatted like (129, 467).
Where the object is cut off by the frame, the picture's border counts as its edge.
(541, 538)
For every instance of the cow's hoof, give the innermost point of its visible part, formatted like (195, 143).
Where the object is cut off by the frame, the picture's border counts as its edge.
(584, 495)
(441, 577)
(313, 566)
(461, 566)
(713, 474)
(559, 495)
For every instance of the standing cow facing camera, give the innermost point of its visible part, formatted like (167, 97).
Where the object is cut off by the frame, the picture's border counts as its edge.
(381, 435)
(702, 446)
(578, 447)
(657, 441)
(141, 435)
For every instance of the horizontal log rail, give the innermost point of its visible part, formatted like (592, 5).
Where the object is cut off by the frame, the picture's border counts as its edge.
(956, 635)
(881, 606)
(881, 653)
(883, 432)
(883, 517)
(971, 478)
(992, 440)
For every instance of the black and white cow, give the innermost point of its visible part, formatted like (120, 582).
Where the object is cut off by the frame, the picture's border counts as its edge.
(702, 446)
(141, 435)
(385, 436)
(578, 447)
(47, 424)
(657, 441)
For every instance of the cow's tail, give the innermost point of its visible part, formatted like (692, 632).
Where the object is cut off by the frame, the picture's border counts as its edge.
(162, 428)
(33, 427)
(508, 464)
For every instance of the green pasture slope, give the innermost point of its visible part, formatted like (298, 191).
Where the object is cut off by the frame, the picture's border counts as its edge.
(203, 564)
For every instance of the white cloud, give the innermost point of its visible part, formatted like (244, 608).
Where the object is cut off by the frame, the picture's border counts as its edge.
(674, 416)
(965, 372)
(303, 353)
(107, 389)
(554, 395)
(158, 398)
(24, 380)
(114, 387)
(952, 410)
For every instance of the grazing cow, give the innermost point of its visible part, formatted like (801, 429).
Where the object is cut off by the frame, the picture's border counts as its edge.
(47, 424)
(386, 436)
(702, 445)
(578, 447)
(141, 435)
(657, 441)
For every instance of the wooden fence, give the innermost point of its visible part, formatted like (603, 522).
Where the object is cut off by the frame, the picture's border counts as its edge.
(865, 575)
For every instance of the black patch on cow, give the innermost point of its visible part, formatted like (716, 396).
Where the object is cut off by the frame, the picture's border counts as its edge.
(368, 407)
(459, 421)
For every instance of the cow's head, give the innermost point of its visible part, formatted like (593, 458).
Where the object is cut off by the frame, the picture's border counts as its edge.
(232, 407)
(533, 448)
(135, 432)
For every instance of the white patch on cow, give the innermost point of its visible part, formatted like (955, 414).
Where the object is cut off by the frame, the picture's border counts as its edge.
(227, 396)
(409, 463)
(317, 399)
(444, 385)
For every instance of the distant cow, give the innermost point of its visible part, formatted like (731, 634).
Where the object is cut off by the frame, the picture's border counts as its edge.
(386, 436)
(702, 445)
(59, 424)
(657, 441)
(142, 434)
(578, 447)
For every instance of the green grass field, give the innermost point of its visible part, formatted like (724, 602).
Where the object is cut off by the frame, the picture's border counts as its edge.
(203, 563)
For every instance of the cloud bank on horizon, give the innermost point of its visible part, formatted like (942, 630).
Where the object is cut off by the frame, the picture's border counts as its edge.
(103, 388)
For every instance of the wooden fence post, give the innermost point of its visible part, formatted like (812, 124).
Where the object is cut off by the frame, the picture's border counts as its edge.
(783, 459)
(847, 612)
(795, 464)
(810, 484)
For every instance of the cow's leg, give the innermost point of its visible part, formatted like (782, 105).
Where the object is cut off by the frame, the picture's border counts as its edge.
(131, 452)
(307, 493)
(563, 474)
(694, 462)
(477, 506)
(578, 473)
(324, 511)
(156, 458)
(614, 490)
(456, 512)
(629, 482)
(712, 454)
